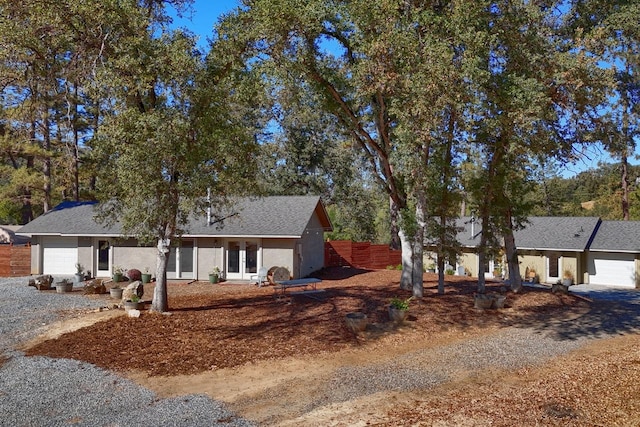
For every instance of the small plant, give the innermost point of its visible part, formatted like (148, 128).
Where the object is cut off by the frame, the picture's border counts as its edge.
(400, 304)
(134, 298)
(215, 271)
(117, 269)
(449, 272)
(568, 274)
(79, 268)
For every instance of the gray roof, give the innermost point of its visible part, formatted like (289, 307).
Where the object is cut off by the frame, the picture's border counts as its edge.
(561, 233)
(549, 233)
(618, 236)
(275, 216)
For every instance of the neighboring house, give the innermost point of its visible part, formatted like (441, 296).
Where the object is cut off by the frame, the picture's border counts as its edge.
(284, 231)
(614, 254)
(594, 251)
(8, 235)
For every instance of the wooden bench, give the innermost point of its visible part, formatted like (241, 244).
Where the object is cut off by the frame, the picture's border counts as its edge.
(280, 289)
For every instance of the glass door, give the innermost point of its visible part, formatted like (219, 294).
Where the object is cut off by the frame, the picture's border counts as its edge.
(242, 259)
(553, 267)
(104, 259)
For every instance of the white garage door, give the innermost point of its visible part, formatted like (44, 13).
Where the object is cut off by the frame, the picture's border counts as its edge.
(59, 255)
(612, 269)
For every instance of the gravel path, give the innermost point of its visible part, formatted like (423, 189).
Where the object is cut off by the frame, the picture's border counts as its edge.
(41, 391)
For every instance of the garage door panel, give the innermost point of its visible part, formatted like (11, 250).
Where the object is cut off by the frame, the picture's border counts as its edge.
(59, 255)
(612, 269)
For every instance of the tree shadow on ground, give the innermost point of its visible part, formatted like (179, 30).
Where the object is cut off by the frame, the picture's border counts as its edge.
(603, 319)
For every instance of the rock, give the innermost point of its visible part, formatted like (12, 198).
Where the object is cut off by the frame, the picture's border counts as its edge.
(134, 275)
(134, 288)
(42, 283)
(133, 313)
(94, 286)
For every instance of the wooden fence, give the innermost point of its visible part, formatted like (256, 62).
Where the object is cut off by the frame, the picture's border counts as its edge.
(339, 253)
(15, 261)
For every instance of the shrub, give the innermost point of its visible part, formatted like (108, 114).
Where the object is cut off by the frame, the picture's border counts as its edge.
(134, 274)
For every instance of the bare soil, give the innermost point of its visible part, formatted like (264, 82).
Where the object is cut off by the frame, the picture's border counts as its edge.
(265, 356)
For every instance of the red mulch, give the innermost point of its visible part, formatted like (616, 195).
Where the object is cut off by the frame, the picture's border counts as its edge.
(214, 326)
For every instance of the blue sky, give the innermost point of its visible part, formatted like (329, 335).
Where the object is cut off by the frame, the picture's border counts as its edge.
(206, 13)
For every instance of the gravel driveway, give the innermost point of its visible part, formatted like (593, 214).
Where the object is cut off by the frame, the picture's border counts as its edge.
(41, 391)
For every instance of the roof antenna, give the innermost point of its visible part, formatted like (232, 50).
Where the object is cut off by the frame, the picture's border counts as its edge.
(208, 206)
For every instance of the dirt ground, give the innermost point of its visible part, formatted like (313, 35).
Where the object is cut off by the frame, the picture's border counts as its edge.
(266, 357)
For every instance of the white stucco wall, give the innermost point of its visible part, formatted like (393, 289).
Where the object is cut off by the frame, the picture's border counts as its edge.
(310, 257)
(278, 253)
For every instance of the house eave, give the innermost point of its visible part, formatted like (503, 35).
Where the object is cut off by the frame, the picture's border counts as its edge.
(624, 251)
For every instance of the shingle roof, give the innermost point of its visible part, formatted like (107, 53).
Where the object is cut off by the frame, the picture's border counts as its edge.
(282, 216)
(619, 236)
(551, 233)
(561, 233)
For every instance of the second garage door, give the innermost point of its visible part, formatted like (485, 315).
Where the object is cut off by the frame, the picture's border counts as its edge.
(612, 269)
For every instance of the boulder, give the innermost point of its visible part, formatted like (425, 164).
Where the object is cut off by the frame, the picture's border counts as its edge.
(134, 288)
(42, 283)
(94, 286)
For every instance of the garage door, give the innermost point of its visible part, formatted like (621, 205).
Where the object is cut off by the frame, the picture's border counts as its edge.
(59, 255)
(612, 269)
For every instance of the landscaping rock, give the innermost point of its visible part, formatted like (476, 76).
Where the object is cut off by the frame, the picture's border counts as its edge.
(134, 288)
(93, 287)
(42, 283)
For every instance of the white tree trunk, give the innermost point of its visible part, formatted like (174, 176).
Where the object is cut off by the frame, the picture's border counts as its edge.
(160, 301)
(406, 279)
(418, 250)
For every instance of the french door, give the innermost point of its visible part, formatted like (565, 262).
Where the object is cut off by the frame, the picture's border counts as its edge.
(180, 264)
(242, 259)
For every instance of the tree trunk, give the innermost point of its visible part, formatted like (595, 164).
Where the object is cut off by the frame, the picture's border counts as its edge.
(76, 147)
(482, 253)
(418, 249)
(441, 275)
(160, 301)
(512, 257)
(395, 242)
(46, 168)
(406, 279)
(482, 259)
(625, 185)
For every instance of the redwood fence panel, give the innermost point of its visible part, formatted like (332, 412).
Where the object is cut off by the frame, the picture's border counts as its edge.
(339, 253)
(15, 261)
